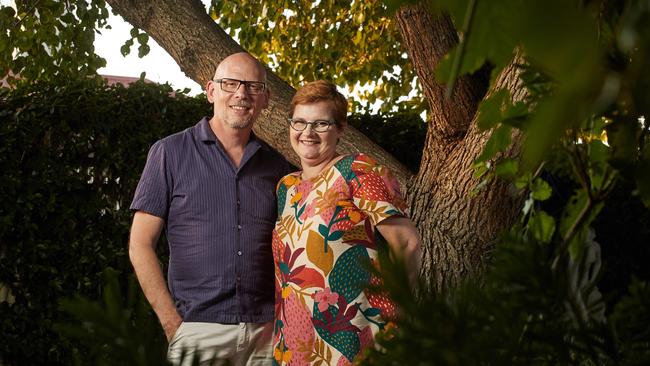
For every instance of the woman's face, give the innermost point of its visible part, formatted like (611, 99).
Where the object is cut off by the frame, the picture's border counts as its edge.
(313, 147)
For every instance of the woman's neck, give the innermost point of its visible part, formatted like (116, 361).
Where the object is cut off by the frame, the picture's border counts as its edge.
(311, 169)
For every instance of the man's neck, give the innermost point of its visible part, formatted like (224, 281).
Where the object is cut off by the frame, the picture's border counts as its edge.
(234, 140)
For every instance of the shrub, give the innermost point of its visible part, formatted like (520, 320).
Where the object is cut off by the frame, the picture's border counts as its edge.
(71, 155)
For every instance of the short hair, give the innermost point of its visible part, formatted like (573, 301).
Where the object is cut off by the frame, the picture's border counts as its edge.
(322, 91)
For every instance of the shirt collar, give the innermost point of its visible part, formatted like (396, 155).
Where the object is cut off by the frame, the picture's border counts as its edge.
(206, 134)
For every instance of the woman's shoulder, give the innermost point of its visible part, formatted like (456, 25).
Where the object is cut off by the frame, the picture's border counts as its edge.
(358, 162)
(353, 166)
(289, 179)
(354, 158)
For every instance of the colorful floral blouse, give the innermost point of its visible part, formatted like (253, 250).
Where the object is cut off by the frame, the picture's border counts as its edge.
(322, 242)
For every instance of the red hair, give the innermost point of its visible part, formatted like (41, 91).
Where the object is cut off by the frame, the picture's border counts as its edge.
(322, 91)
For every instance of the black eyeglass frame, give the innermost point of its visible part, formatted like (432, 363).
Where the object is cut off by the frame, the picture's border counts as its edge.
(313, 124)
(247, 84)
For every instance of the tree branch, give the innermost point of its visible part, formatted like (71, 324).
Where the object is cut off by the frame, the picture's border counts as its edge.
(428, 39)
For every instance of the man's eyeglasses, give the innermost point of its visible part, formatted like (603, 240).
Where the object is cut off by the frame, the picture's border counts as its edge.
(318, 125)
(231, 85)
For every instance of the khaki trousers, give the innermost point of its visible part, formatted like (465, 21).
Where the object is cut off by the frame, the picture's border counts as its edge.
(248, 344)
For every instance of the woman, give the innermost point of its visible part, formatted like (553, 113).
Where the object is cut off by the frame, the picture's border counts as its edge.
(324, 238)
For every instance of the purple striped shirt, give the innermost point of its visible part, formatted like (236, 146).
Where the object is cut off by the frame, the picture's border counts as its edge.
(218, 222)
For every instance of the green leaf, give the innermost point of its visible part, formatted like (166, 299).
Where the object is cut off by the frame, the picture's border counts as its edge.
(506, 168)
(323, 230)
(125, 49)
(349, 277)
(499, 141)
(542, 226)
(284, 268)
(524, 180)
(335, 235)
(372, 312)
(143, 38)
(598, 155)
(143, 50)
(540, 190)
(515, 115)
(489, 111)
(480, 168)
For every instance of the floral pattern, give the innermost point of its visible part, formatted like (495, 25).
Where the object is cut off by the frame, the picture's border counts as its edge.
(322, 243)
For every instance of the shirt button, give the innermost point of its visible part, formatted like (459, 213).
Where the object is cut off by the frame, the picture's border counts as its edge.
(239, 252)
(238, 227)
(238, 202)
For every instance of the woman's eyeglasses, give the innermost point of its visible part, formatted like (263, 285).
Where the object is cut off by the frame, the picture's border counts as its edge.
(318, 125)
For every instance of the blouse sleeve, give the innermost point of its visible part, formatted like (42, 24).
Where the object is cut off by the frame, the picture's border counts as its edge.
(375, 190)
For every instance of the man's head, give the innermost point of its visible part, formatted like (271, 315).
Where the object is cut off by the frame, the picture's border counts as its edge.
(236, 92)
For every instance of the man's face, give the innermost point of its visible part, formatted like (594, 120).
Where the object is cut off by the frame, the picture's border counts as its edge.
(238, 109)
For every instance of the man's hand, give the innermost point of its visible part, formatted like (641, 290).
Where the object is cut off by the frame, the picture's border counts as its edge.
(171, 325)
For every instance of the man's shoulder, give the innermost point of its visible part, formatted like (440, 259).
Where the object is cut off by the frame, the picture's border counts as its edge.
(179, 136)
(178, 139)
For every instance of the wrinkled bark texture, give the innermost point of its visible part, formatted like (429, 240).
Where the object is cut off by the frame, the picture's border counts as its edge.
(457, 229)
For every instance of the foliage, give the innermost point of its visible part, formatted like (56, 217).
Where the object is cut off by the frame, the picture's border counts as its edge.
(584, 79)
(401, 134)
(585, 99)
(71, 155)
(539, 302)
(529, 309)
(120, 331)
(299, 41)
(349, 43)
(46, 39)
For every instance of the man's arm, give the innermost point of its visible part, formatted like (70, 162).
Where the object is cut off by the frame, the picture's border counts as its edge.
(145, 232)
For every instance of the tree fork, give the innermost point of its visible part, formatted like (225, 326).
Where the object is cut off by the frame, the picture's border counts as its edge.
(457, 228)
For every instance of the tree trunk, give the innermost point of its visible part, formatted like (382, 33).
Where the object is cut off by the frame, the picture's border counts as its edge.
(457, 228)
(185, 30)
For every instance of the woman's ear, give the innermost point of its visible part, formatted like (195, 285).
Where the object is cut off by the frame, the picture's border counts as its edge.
(342, 126)
(267, 93)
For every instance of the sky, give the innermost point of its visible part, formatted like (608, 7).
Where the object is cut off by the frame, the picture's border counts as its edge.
(158, 65)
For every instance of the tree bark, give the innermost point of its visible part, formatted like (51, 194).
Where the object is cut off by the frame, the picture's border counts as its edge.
(457, 228)
(197, 44)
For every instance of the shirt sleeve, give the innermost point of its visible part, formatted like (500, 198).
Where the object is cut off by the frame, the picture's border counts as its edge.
(154, 188)
(376, 191)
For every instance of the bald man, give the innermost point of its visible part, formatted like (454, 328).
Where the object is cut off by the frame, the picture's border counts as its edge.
(212, 188)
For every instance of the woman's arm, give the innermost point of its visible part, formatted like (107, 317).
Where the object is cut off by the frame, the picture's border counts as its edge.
(404, 241)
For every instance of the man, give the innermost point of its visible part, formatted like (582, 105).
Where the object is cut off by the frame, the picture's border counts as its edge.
(212, 187)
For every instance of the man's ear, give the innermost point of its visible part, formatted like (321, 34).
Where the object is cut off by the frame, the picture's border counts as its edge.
(209, 89)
